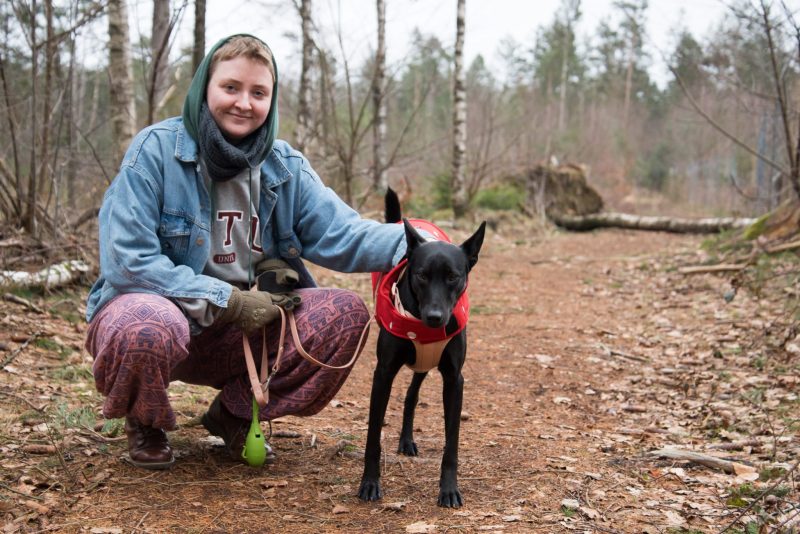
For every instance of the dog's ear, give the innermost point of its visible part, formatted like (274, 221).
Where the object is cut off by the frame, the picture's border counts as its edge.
(413, 239)
(472, 246)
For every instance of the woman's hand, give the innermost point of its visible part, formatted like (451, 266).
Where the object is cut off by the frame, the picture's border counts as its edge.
(250, 310)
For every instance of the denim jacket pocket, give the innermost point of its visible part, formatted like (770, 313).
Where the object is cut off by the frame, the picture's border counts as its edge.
(174, 232)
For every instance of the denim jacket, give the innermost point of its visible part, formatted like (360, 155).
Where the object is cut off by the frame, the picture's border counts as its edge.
(155, 222)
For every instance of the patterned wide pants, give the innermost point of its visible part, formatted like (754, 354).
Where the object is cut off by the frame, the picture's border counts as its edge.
(141, 343)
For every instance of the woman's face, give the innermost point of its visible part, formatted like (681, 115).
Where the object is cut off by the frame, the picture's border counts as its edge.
(239, 94)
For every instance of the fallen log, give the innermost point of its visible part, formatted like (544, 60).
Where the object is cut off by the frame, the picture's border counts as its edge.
(709, 225)
(726, 466)
(53, 276)
(718, 268)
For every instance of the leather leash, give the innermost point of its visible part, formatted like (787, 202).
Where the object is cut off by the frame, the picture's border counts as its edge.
(260, 384)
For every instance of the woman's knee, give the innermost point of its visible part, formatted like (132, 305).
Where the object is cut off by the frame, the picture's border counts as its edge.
(139, 322)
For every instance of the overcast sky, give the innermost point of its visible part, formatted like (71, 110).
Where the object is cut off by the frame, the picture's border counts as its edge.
(488, 23)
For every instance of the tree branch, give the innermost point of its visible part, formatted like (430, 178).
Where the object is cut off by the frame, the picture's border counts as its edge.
(719, 128)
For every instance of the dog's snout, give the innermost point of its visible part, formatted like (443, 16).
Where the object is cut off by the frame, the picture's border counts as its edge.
(434, 318)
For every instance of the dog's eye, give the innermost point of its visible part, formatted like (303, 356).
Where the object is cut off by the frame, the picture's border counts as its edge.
(452, 277)
(422, 276)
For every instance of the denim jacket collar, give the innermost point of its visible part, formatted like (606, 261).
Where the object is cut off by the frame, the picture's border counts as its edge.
(272, 175)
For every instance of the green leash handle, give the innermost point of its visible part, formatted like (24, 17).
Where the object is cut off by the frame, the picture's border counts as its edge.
(255, 450)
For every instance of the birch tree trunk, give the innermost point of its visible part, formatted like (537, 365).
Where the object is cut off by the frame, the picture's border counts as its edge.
(459, 188)
(199, 48)
(121, 105)
(571, 13)
(302, 134)
(628, 86)
(582, 223)
(159, 56)
(379, 178)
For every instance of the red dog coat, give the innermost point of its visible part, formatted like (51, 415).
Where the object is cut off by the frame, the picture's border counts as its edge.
(428, 342)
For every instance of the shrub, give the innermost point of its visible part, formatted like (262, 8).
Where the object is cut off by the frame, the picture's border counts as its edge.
(500, 197)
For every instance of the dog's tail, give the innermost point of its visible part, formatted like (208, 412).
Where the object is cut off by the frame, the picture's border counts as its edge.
(393, 212)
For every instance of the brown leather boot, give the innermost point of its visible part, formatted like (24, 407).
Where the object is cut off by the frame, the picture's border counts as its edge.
(148, 447)
(233, 431)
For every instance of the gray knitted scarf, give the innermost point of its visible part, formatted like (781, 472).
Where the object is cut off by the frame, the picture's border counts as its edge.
(223, 159)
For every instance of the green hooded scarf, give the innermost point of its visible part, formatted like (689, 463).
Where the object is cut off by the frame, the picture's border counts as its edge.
(197, 95)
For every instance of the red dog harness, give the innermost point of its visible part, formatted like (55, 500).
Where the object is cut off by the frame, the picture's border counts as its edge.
(428, 342)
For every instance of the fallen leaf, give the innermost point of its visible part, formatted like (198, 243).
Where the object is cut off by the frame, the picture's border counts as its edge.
(340, 509)
(35, 448)
(36, 507)
(420, 527)
(570, 504)
(266, 484)
(394, 506)
(591, 513)
(742, 469)
(674, 519)
(562, 400)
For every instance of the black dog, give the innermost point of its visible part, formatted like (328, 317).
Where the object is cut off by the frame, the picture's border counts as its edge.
(432, 285)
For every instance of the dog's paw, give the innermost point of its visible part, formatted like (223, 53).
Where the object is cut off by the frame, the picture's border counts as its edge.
(450, 498)
(407, 447)
(370, 490)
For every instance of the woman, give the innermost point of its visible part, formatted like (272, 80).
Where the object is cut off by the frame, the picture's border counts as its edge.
(176, 253)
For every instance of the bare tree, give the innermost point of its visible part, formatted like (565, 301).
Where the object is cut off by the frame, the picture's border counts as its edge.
(460, 198)
(121, 105)
(50, 58)
(29, 218)
(199, 47)
(303, 131)
(571, 12)
(633, 24)
(764, 18)
(379, 175)
(164, 23)
(159, 56)
(782, 93)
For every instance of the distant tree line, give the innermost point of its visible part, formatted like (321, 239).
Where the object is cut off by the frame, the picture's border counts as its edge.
(721, 136)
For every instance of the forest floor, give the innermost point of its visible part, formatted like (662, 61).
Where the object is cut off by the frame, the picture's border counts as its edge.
(587, 353)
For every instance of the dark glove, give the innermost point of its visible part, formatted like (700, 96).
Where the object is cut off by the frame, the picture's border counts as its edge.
(250, 310)
(277, 278)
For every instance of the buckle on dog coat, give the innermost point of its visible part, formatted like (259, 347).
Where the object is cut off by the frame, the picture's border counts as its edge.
(428, 342)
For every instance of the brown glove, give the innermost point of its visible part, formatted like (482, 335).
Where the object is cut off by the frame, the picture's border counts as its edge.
(250, 310)
(276, 277)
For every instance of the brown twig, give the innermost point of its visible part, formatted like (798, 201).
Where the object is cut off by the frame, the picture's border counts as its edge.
(19, 300)
(23, 399)
(19, 349)
(760, 496)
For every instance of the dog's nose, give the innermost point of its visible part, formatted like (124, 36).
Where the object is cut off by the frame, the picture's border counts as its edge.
(434, 318)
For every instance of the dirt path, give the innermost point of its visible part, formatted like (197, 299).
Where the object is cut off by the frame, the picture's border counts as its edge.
(586, 352)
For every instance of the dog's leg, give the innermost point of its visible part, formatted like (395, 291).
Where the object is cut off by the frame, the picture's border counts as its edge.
(453, 395)
(407, 445)
(389, 363)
